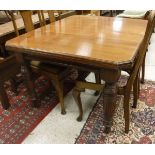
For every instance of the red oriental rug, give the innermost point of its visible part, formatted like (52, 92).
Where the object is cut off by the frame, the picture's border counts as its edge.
(142, 126)
(21, 118)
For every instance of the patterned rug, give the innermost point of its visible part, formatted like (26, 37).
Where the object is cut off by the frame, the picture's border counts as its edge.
(142, 126)
(21, 118)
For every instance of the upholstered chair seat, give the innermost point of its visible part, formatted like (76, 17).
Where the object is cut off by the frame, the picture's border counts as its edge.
(133, 13)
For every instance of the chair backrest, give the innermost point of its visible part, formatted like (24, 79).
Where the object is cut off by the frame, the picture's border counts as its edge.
(61, 13)
(4, 18)
(42, 18)
(27, 19)
(95, 12)
(51, 15)
(12, 17)
(143, 47)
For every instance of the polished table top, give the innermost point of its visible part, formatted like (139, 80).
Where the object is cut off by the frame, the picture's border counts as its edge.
(88, 39)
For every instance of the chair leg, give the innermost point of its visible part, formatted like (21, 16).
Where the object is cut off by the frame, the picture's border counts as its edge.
(3, 97)
(81, 86)
(2, 48)
(127, 111)
(136, 91)
(98, 81)
(14, 86)
(30, 85)
(59, 88)
(77, 98)
(143, 71)
(138, 84)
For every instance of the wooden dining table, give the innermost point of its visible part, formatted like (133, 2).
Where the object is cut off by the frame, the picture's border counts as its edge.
(107, 44)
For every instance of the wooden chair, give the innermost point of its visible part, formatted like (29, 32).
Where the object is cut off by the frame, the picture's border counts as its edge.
(62, 13)
(42, 17)
(136, 14)
(131, 82)
(55, 72)
(9, 68)
(95, 12)
(89, 12)
(3, 17)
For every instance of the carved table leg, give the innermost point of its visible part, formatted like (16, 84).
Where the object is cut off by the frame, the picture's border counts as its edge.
(30, 85)
(14, 86)
(109, 96)
(27, 80)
